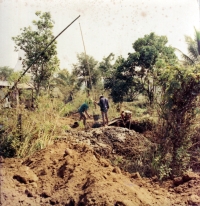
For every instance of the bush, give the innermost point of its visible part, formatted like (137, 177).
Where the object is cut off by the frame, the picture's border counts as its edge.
(176, 109)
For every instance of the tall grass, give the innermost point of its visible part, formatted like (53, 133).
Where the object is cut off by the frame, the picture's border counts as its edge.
(34, 131)
(39, 128)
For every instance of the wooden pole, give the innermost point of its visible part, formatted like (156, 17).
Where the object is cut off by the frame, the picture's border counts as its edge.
(38, 57)
(86, 58)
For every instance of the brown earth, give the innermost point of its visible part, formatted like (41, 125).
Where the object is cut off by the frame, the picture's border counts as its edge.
(83, 168)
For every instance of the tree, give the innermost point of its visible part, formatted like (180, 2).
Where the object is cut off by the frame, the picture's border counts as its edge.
(121, 81)
(150, 52)
(15, 76)
(193, 56)
(105, 66)
(86, 71)
(33, 42)
(180, 88)
(66, 82)
(5, 73)
(115, 82)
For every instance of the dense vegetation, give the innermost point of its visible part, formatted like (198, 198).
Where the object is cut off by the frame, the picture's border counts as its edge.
(152, 82)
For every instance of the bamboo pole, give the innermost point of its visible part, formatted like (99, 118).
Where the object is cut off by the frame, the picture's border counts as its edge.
(88, 67)
(37, 58)
(86, 58)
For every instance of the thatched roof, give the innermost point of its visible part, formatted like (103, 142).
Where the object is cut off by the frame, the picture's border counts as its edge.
(19, 86)
(5, 84)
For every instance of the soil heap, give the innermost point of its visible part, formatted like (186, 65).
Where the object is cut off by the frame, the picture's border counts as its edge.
(73, 172)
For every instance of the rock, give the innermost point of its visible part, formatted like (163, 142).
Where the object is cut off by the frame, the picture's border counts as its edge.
(33, 184)
(108, 173)
(2, 159)
(12, 165)
(97, 155)
(114, 179)
(104, 163)
(121, 137)
(194, 200)
(178, 190)
(53, 202)
(155, 178)
(185, 178)
(25, 175)
(28, 193)
(117, 170)
(68, 152)
(178, 181)
(171, 190)
(42, 172)
(45, 194)
(189, 176)
(136, 175)
(69, 160)
(124, 203)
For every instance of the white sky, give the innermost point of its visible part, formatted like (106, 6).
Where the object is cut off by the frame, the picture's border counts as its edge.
(107, 25)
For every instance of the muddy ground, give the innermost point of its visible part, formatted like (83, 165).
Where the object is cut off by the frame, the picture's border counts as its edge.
(100, 166)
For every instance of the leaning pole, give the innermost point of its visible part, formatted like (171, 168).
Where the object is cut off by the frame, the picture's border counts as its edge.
(42, 52)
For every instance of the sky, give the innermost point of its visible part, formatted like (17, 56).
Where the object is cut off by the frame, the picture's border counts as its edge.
(107, 25)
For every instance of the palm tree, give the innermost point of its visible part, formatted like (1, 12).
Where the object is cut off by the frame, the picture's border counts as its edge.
(86, 71)
(65, 82)
(193, 57)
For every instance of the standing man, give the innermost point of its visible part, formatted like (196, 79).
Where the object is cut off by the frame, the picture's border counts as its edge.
(104, 106)
(83, 112)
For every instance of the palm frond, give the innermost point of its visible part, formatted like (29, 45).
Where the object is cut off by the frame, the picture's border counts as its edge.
(187, 59)
(193, 51)
(197, 38)
(189, 40)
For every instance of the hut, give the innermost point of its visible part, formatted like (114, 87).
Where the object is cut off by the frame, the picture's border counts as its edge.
(14, 98)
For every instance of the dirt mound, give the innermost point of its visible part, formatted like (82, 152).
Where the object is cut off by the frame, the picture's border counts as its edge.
(70, 175)
(123, 147)
(122, 140)
(72, 172)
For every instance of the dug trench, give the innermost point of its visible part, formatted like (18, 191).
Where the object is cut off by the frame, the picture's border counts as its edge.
(100, 166)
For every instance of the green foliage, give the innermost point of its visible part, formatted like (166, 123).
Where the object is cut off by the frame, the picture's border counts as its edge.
(136, 75)
(117, 160)
(33, 42)
(106, 66)
(7, 147)
(36, 129)
(178, 97)
(5, 73)
(161, 165)
(86, 71)
(66, 83)
(150, 49)
(150, 52)
(121, 82)
(14, 76)
(193, 57)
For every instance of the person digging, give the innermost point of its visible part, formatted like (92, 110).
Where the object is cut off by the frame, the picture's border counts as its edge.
(83, 112)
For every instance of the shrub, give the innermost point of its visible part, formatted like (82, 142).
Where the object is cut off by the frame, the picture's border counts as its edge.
(180, 87)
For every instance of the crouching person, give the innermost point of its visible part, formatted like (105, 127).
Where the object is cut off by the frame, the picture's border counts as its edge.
(83, 111)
